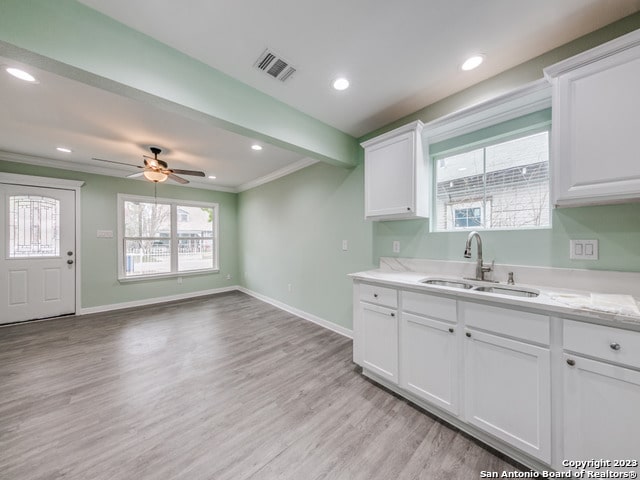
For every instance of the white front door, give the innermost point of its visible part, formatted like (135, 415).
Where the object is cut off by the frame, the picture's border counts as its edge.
(37, 262)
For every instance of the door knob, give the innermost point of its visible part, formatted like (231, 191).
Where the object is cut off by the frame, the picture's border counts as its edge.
(69, 253)
(70, 262)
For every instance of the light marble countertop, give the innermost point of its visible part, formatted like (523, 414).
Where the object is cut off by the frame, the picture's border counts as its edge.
(566, 303)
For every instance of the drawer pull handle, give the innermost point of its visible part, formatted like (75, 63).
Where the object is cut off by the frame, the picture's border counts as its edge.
(615, 346)
(450, 330)
(393, 314)
(468, 334)
(375, 295)
(571, 362)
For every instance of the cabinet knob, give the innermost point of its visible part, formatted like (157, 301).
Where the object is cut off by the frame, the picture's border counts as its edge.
(450, 330)
(393, 314)
(571, 362)
(468, 334)
(615, 346)
(70, 262)
(375, 295)
(409, 209)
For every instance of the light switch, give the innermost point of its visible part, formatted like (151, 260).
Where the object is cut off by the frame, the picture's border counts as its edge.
(345, 245)
(104, 234)
(583, 249)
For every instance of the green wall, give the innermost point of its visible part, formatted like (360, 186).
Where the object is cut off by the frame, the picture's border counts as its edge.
(99, 262)
(291, 229)
(291, 232)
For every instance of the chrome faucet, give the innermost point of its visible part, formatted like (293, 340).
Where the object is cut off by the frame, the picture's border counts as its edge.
(480, 268)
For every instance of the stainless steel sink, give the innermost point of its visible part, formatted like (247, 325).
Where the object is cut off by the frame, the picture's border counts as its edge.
(515, 292)
(448, 283)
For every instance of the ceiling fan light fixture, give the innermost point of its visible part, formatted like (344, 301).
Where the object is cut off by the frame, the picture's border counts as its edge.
(156, 177)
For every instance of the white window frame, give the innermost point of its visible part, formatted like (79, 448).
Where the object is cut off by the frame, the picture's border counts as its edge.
(173, 204)
(521, 101)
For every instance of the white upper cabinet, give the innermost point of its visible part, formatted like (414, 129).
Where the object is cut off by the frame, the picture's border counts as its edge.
(396, 178)
(596, 108)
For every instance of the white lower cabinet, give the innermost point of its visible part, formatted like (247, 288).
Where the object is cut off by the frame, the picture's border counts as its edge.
(507, 391)
(429, 360)
(601, 417)
(379, 327)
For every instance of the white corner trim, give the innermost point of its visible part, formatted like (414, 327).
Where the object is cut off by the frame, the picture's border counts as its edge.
(529, 98)
(345, 332)
(617, 45)
(415, 126)
(32, 180)
(283, 172)
(152, 301)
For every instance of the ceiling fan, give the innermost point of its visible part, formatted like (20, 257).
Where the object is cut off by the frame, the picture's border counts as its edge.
(156, 170)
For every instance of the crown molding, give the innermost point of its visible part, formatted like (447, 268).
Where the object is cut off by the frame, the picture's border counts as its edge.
(122, 173)
(283, 172)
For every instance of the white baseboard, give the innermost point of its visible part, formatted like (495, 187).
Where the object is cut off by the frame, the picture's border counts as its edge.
(300, 313)
(155, 300)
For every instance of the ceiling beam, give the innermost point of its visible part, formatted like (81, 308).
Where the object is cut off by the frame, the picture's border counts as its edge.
(72, 40)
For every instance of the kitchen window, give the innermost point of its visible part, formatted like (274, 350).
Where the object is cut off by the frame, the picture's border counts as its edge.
(164, 237)
(497, 178)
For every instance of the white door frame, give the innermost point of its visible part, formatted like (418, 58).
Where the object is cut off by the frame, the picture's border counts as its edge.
(61, 183)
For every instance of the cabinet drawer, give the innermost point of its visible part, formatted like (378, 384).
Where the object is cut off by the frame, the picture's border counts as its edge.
(379, 295)
(430, 306)
(530, 327)
(607, 343)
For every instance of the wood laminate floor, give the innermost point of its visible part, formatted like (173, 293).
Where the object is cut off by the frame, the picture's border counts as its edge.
(223, 387)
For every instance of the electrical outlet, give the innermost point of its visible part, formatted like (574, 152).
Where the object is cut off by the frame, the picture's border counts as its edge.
(583, 249)
(228, 276)
(289, 287)
(179, 280)
(104, 234)
(396, 246)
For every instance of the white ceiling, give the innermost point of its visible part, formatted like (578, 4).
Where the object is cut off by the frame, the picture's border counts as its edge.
(400, 56)
(57, 111)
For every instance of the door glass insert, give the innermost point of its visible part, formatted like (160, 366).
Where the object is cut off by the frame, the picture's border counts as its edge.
(34, 226)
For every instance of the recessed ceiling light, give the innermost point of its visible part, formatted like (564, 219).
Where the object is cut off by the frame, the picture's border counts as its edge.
(63, 149)
(256, 147)
(212, 177)
(340, 83)
(472, 62)
(21, 74)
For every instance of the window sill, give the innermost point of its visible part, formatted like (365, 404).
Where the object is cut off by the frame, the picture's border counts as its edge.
(160, 276)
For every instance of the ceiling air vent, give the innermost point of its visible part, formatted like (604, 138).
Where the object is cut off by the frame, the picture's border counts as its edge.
(274, 65)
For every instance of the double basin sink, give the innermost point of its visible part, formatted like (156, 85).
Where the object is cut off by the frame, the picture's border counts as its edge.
(499, 289)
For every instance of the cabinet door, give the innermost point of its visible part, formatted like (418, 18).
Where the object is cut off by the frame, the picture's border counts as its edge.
(596, 156)
(507, 391)
(429, 360)
(379, 328)
(389, 176)
(601, 417)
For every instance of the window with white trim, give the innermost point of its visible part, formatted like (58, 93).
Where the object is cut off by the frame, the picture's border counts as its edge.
(163, 237)
(497, 178)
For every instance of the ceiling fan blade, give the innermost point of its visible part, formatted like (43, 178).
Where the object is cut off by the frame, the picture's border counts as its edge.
(118, 163)
(178, 179)
(135, 175)
(195, 173)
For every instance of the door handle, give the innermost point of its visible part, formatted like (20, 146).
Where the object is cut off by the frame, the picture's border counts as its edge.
(70, 262)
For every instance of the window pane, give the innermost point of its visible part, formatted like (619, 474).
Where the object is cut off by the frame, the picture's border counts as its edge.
(195, 222)
(147, 257)
(518, 182)
(147, 219)
(459, 186)
(34, 226)
(499, 186)
(195, 254)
